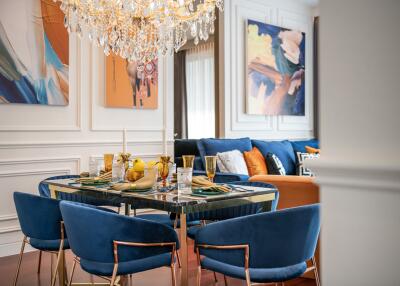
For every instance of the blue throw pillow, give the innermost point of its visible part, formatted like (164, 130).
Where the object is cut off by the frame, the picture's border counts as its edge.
(211, 146)
(300, 146)
(282, 149)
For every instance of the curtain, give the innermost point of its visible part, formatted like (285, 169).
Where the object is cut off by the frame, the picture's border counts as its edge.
(316, 77)
(200, 91)
(180, 96)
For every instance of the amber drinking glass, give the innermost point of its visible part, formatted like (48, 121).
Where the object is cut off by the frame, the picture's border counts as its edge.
(211, 167)
(164, 168)
(108, 162)
(188, 161)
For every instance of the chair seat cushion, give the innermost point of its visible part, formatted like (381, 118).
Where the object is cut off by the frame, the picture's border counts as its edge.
(165, 219)
(47, 245)
(128, 267)
(259, 275)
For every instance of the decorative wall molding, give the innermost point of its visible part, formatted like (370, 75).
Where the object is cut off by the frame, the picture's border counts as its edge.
(19, 161)
(65, 171)
(9, 229)
(49, 144)
(8, 217)
(143, 156)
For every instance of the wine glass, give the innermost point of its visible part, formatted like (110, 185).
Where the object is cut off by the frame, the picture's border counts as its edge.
(188, 161)
(211, 167)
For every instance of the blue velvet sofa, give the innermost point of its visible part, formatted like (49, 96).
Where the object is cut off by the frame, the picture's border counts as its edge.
(285, 150)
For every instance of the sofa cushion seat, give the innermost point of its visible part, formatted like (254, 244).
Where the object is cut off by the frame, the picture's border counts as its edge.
(282, 149)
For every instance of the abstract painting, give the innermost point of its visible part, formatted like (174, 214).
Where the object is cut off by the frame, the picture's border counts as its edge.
(34, 53)
(275, 70)
(126, 87)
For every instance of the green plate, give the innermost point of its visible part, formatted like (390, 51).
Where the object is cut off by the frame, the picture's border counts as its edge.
(96, 183)
(138, 191)
(206, 192)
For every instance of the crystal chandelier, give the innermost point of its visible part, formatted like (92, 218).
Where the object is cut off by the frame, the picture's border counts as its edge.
(140, 30)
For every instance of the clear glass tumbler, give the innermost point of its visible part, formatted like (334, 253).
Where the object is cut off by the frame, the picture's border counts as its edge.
(184, 178)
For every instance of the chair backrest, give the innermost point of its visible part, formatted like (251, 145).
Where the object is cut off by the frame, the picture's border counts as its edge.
(44, 190)
(39, 217)
(91, 233)
(238, 211)
(276, 239)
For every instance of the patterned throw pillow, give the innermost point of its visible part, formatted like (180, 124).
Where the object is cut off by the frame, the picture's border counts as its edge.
(274, 165)
(255, 162)
(301, 157)
(232, 162)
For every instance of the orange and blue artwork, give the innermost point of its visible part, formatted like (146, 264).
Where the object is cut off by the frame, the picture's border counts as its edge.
(130, 87)
(275, 70)
(34, 53)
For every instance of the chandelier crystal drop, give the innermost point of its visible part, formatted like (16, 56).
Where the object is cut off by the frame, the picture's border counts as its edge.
(140, 30)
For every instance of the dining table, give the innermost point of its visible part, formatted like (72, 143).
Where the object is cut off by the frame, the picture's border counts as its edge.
(168, 200)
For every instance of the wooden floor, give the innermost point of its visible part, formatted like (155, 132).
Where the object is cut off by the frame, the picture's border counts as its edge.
(158, 277)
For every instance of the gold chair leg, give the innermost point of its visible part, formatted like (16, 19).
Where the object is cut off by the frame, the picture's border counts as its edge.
(39, 262)
(178, 258)
(198, 275)
(173, 274)
(72, 273)
(51, 266)
(59, 257)
(19, 260)
(316, 272)
(114, 275)
(225, 281)
(248, 282)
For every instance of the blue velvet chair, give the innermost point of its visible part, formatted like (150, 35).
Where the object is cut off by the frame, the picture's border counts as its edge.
(44, 191)
(42, 226)
(110, 245)
(264, 248)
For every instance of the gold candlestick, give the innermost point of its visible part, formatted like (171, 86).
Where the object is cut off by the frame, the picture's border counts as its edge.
(124, 159)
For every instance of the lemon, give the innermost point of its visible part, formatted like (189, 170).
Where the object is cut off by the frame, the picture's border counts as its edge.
(138, 165)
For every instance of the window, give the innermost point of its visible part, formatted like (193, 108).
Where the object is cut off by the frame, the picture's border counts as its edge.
(200, 91)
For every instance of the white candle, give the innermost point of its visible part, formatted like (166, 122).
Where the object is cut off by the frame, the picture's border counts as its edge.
(124, 142)
(165, 141)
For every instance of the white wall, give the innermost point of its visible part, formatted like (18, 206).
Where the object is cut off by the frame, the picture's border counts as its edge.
(291, 14)
(42, 141)
(359, 170)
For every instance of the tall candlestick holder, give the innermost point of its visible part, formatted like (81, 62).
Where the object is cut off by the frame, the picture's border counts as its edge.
(124, 159)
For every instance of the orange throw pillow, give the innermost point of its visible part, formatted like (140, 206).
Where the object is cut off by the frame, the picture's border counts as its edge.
(255, 162)
(312, 150)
